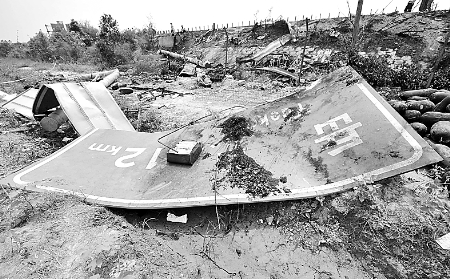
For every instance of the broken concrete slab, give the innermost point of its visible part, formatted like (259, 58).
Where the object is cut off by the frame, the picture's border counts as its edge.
(337, 134)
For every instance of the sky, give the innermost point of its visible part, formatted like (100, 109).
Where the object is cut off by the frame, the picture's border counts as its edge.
(22, 19)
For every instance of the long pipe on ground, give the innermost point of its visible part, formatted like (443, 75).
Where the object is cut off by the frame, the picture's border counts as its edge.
(185, 58)
(96, 74)
(109, 79)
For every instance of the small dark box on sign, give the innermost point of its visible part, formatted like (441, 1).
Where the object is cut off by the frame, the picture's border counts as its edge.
(186, 152)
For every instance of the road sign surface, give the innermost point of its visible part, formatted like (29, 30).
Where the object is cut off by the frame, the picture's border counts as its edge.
(335, 135)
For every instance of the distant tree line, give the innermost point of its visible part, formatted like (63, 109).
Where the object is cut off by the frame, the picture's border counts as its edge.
(84, 43)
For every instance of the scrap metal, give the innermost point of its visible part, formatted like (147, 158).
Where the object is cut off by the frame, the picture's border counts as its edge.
(21, 103)
(88, 105)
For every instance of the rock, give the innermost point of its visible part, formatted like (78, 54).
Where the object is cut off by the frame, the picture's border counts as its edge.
(399, 106)
(444, 151)
(440, 132)
(420, 128)
(412, 115)
(125, 90)
(422, 106)
(321, 215)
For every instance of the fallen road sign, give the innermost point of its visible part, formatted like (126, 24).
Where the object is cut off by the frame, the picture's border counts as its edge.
(87, 105)
(335, 135)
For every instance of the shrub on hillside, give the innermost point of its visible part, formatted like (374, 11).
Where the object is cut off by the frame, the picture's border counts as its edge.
(374, 69)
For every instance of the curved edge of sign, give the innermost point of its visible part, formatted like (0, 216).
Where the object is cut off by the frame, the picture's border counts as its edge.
(18, 178)
(244, 198)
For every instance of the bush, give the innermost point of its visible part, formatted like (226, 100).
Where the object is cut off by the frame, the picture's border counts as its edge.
(20, 51)
(5, 48)
(66, 46)
(40, 48)
(123, 53)
(376, 72)
(374, 69)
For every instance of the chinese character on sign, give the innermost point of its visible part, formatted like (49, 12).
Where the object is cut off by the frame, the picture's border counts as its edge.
(344, 138)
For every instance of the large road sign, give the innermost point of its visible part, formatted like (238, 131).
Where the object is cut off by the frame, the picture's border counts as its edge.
(335, 135)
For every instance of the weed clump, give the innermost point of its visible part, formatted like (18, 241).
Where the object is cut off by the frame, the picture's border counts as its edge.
(243, 172)
(235, 128)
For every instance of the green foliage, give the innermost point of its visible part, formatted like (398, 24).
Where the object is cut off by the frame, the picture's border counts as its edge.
(123, 53)
(109, 36)
(66, 46)
(374, 69)
(83, 43)
(109, 29)
(377, 73)
(5, 48)
(40, 47)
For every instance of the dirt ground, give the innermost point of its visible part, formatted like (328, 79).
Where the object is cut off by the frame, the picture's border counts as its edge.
(381, 230)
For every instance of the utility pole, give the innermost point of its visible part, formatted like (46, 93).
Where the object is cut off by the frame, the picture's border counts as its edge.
(425, 5)
(300, 72)
(356, 23)
(17, 37)
(226, 50)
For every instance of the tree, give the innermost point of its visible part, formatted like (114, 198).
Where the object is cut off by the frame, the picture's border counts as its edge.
(109, 29)
(109, 36)
(39, 47)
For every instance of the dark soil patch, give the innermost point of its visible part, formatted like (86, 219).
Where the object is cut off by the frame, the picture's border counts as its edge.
(243, 172)
(235, 128)
(318, 165)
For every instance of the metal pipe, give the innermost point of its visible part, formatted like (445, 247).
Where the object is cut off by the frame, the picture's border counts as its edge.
(226, 51)
(109, 79)
(17, 96)
(185, 58)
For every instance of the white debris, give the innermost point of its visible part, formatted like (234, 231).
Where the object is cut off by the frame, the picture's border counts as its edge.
(177, 219)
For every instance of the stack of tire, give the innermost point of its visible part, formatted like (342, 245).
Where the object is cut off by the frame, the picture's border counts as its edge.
(428, 112)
